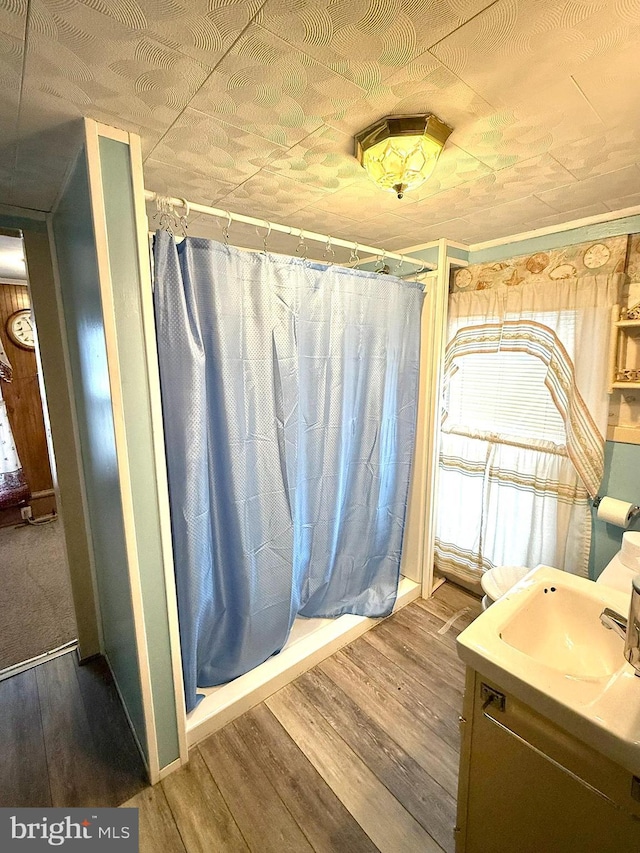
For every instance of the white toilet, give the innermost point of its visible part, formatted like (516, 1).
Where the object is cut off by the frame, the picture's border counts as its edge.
(625, 565)
(495, 582)
(617, 574)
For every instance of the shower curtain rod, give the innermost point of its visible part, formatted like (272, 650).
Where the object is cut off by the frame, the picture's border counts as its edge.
(285, 229)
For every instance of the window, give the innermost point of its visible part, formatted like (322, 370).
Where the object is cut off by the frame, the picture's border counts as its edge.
(503, 392)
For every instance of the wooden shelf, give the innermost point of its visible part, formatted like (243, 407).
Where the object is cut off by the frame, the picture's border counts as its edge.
(625, 434)
(624, 353)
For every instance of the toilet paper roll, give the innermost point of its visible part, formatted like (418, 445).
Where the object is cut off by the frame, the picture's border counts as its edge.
(615, 512)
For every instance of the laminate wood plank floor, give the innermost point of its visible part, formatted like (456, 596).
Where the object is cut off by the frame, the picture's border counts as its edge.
(65, 739)
(359, 754)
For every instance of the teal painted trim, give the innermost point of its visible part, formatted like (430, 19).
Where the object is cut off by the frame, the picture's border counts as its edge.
(23, 223)
(370, 265)
(429, 255)
(457, 253)
(621, 480)
(123, 258)
(598, 231)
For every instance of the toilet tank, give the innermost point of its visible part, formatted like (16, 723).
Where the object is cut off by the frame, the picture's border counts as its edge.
(625, 565)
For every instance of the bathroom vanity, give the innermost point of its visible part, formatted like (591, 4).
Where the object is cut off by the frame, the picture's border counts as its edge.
(550, 752)
(527, 786)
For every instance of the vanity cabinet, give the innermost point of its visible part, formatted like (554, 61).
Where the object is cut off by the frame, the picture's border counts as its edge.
(527, 786)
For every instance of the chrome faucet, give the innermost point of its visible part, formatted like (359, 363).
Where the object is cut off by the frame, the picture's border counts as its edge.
(628, 629)
(632, 642)
(614, 621)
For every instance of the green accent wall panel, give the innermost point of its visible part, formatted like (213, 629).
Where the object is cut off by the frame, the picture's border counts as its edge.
(621, 480)
(123, 258)
(79, 282)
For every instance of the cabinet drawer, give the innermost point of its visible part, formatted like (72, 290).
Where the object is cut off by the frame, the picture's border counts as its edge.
(575, 757)
(527, 786)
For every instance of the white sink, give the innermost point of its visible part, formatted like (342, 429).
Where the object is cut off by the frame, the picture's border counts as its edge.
(544, 642)
(561, 627)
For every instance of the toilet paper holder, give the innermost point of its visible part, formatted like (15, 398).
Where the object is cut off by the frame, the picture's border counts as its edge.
(635, 510)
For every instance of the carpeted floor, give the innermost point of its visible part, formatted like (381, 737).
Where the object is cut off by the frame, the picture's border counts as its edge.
(36, 608)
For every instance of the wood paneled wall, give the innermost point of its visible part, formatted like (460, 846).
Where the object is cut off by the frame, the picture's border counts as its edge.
(24, 407)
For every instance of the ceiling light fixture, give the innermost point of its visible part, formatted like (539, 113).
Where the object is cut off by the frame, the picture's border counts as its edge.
(399, 153)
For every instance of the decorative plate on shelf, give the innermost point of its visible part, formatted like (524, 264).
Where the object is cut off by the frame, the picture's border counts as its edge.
(20, 329)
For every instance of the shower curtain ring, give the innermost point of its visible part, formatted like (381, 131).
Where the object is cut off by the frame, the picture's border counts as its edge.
(184, 219)
(328, 252)
(354, 257)
(167, 220)
(175, 219)
(164, 214)
(266, 236)
(419, 272)
(381, 267)
(301, 248)
(225, 229)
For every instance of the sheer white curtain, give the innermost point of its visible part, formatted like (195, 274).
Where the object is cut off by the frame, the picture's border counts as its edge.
(524, 420)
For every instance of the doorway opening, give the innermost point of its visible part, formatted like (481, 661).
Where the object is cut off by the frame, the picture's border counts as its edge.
(36, 605)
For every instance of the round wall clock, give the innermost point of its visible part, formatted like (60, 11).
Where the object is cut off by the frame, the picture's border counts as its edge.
(20, 329)
(596, 256)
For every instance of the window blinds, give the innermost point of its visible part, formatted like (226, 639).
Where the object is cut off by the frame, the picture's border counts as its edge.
(503, 393)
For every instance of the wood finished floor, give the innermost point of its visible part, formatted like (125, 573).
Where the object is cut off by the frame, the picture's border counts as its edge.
(64, 738)
(359, 754)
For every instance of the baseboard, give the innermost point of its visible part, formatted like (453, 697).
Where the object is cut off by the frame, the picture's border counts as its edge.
(84, 661)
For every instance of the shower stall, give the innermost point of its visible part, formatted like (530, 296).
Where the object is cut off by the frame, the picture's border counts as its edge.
(147, 658)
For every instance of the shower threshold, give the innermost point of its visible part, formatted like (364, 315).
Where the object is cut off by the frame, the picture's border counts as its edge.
(310, 641)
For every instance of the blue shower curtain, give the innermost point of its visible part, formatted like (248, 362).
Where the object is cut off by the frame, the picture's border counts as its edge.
(289, 396)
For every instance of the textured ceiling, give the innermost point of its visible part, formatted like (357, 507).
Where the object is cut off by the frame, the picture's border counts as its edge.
(252, 106)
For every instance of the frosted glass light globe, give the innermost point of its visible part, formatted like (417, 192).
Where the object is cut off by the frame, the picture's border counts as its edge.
(401, 163)
(399, 153)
